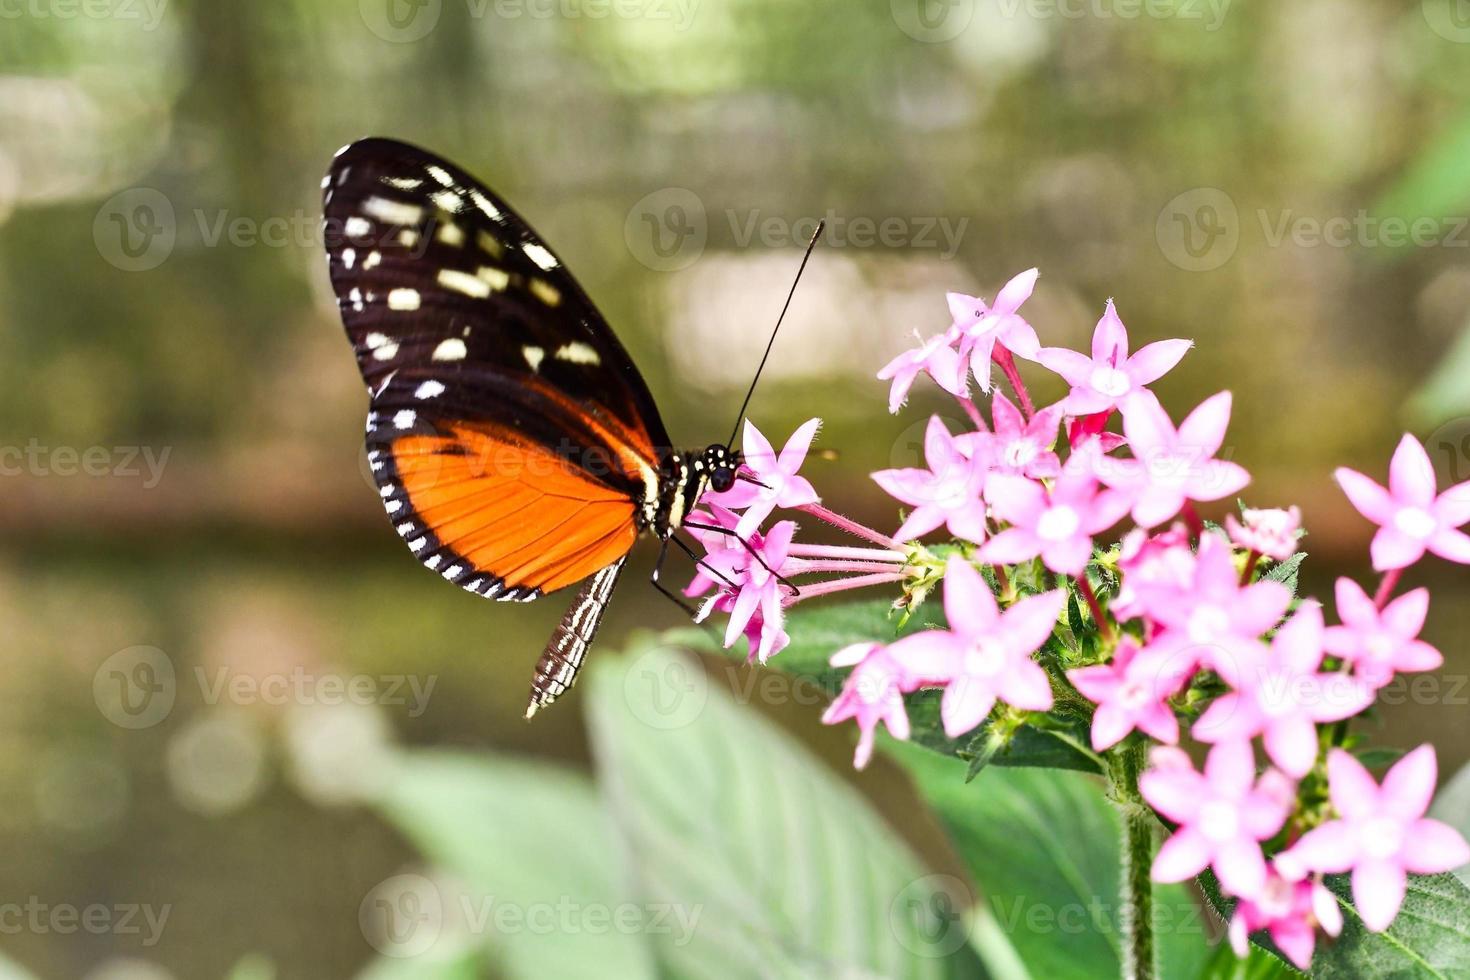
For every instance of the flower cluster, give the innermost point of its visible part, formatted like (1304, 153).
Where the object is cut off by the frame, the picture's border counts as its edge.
(1189, 627)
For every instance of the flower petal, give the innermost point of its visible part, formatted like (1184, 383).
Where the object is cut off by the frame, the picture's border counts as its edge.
(1431, 847)
(1015, 292)
(1370, 499)
(1378, 891)
(969, 605)
(1352, 789)
(1330, 848)
(1185, 854)
(1029, 622)
(756, 449)
(1025, 685)
(964, 706)
(1291, 742)
(1241, 868)
(1010, 546)
(1409, 785)
(1204, 428)
(1354, 607)
(1405, 615)
(1411, 474)
(793, 454)
(1074, 367)
(1451, 545)
(1110, 339)
(1392, 548)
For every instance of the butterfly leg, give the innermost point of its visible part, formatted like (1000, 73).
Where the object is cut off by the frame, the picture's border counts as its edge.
(658, 567)
(748, 547)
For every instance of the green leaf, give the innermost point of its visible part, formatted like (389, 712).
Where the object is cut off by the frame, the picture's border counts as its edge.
(463, 964)
(785, 870)
(1286, 572)
(254, 967)
(1452, 805)
(11, 970)
(1043, 846)
(1257, 965)
(1429, 938)
(524, 837)
(1434, 185)
(818, 633)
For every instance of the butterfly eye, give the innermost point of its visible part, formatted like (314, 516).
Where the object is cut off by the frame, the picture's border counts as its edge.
(722, 479)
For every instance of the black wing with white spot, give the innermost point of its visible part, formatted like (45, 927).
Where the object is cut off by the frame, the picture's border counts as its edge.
(433, 270)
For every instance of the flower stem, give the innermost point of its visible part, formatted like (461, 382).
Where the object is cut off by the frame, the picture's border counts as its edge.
(843, 584)
(799, 550)
(1386, 587)
(850, 526)
(1000, 355)
(973, 412)
(1136, 918)
(1250, 566)
(1196, 525)
(1085, 587)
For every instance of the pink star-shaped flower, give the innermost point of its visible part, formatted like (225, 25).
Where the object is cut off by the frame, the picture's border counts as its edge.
(1130, 692)
(1381, 833)
(1215, 621)
(1017, 446)
(1411, 518)
(985, 654)
(1170, 466)
(1057, 524)
(1380, 644)
(873, 693)
(1162, 563)
(1290, 912)
(779, 485)
(1271, 532)
(1223, 815)
(981, 327)
(756, 595)
(1102, 381)
(947, 493)
(1284, 696)
(935, 357)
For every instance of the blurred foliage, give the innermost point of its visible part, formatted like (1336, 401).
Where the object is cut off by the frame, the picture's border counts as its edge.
(1066, 142)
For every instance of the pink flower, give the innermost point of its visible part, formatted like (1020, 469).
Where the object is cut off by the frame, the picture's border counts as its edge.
(724, 554)
(1410, 516)
(779, 485)
(1162, 563)
(1270, 532)
(1172, 465)
(1223, 815)
(947, 493)
(757, 590)
(1381, 833)
(1282, 697)
(1289, 911)
(1017, 446)
(1378, 644)
(873, 693)
(1130, 692)
(1092, 429)
(1215, 620)
(1101, 382)
(985, 654)
(981, 327)
(936, 357)
(1057, 524)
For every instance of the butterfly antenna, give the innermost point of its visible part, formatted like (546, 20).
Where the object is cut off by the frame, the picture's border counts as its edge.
(772, 342)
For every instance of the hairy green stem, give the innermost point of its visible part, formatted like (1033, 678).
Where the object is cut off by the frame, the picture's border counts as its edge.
(1139, 827)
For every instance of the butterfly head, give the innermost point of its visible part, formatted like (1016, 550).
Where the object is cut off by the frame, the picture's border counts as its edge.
(721, 464)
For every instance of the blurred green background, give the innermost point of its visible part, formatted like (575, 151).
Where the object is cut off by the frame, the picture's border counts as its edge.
(1287, 184)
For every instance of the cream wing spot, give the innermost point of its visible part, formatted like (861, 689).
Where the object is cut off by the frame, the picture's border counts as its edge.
(534, 356)
(540, 255)
(393, 212)
(463, 282)
(404, 299)
(578, 353)
(452, 349)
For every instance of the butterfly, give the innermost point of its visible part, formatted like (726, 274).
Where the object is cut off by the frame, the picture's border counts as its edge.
(514, 443)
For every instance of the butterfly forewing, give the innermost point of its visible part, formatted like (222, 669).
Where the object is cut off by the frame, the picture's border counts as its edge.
(514, 442)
